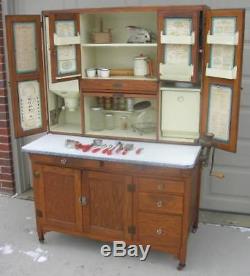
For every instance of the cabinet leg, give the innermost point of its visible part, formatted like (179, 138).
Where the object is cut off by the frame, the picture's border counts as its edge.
(195, 227)
(40, 236)
(181, 266)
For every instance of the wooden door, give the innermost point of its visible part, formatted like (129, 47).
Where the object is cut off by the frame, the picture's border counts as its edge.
(65, 52)
(108, 205)
(26, 74)
(57, 192)
(178, 40)
(222, 76)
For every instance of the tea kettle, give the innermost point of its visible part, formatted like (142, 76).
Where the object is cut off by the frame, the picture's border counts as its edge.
(142, 66)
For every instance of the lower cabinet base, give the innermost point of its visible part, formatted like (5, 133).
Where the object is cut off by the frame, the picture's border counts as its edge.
(139, 205)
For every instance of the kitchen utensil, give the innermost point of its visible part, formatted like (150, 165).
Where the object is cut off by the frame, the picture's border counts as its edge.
(139, 150)
(121, 147)
(70, 144)
(96, 149)
(142, 66)
(107, 148)
(127, 148)
(138, 35)
(96, 118)
(109, 152)
(96, 142)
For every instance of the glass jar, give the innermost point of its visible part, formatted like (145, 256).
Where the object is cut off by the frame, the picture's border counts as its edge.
(109, 121)
(144, 118)
(124, 122)
(96, 118)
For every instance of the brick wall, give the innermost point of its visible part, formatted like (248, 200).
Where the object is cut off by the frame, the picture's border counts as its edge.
(6, 166)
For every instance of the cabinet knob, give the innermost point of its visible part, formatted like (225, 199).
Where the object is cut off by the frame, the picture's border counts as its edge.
(159, 231)
(159, 203)
(63, 161)
(160, 187)
(83, 200)
(36, 174)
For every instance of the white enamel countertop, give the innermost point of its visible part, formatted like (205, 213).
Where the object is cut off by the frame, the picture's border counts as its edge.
(157, 154)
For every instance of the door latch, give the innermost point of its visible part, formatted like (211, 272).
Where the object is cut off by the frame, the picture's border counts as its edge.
(83, 200)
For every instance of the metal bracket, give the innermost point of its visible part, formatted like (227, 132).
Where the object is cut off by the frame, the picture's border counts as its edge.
(83, 200)
(132, 230)
(206, 143)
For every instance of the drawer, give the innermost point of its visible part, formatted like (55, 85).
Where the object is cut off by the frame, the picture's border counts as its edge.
(159, 185)
(160, 203)
(159, 230)
(70, 162)
(130, 86)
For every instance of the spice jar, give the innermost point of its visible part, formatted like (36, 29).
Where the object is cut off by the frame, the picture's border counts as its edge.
(96, 119)
(124, 122)
(109, 121)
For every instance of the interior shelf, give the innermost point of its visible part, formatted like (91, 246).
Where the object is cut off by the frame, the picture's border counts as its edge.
(119, 45)
(123, 134)
(122, 78)
(69, 128)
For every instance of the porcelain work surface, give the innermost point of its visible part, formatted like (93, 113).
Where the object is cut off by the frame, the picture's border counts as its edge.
(167, 155)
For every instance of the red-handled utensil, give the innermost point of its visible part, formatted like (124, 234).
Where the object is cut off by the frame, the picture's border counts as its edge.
(109, 152)
(139, 150)
(96, 142)
(106, 149)
(98, 148)
(127, 148)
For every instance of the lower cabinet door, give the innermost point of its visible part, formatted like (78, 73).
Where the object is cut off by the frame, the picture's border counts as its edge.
(57, 192)
(159, 231)
(107, 208)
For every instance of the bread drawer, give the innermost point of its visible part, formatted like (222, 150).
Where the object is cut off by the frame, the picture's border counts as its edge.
(130, 86)
(69, 162)
(159, 230)
(159, 185)
(160, 203)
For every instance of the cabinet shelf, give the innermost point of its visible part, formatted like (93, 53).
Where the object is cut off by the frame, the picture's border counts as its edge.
(119, 45)
(122, 78)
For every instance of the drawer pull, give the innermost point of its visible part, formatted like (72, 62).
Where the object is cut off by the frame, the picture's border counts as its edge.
(63, 161)
(36, 174)
(160, 187)
(159, 203)
(159, 231)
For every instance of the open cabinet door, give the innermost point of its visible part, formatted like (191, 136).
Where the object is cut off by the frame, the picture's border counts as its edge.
(65, 52)
(222, 80)
(26, 73)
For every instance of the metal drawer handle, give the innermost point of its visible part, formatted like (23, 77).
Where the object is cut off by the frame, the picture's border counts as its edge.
(160, 187)
(63, 161)
(36, 174)
(159, 203)
(159, 231)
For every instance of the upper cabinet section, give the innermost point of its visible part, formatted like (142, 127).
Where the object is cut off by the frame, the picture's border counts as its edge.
(64, 40)
(119, 45)
(179, 44)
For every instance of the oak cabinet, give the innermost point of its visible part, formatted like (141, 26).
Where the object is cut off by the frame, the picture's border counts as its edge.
(110, 201)
(57, 192)
(105, 192)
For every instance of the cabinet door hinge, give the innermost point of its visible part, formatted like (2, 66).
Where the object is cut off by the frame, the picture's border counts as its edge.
(83, 200)
(39, 213)
(131, 187)
(132, 230)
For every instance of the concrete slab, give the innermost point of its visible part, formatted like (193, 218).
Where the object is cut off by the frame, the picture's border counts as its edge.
(212, 251)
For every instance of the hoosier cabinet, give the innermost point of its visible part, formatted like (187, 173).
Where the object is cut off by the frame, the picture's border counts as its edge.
(132, 100)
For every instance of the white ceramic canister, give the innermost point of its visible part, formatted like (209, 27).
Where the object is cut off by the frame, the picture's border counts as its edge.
(141, 68)
(105, 73)
(91, 72)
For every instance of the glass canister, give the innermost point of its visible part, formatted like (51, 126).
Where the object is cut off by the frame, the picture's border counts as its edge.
(109, 121)
(96, 118)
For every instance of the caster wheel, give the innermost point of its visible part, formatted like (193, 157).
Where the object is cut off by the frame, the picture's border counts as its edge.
(181, 266)
(194, 230)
